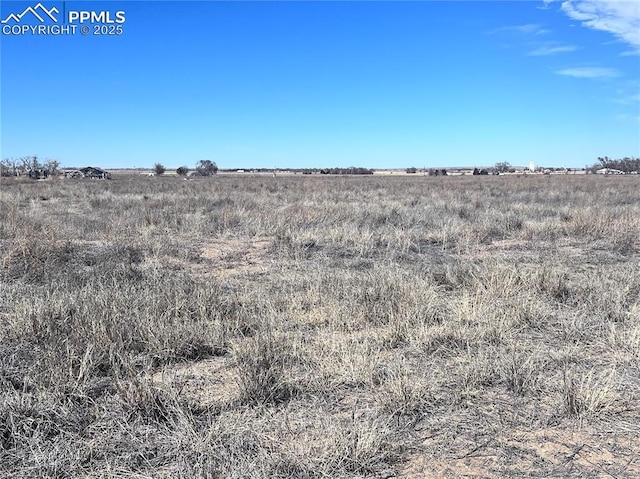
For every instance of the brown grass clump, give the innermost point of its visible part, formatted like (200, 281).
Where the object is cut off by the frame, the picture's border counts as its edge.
(307, 327)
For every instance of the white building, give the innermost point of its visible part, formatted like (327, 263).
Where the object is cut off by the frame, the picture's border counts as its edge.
(609, 171)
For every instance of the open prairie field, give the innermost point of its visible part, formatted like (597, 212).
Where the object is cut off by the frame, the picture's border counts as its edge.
(320, 327)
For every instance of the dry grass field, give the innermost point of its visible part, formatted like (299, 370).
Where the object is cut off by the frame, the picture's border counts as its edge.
(320, 327)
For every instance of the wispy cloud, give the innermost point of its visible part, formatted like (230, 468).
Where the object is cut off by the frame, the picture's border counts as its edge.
(628, 93)
(627, 100)
(547, 49)
(526, 29)
(620, 18)
(630, 53)
(627, 117)
(589, 72)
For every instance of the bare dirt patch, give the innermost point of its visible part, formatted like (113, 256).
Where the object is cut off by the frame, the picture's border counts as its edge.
(557, 452)
(228, 257)
(208, 382)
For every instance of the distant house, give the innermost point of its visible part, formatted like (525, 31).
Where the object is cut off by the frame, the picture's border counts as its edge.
(89, 172)
(95, 173)
(609, 171)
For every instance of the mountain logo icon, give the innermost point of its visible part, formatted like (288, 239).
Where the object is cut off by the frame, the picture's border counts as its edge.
(39, 11)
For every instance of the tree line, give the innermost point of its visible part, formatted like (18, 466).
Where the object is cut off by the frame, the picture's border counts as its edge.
(626, 164)
(352, 170)
(28, 164)
(203, 168)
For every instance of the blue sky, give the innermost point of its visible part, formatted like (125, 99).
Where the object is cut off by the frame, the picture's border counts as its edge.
(322, 84)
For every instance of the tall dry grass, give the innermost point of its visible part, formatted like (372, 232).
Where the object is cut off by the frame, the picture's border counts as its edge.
(320, 327)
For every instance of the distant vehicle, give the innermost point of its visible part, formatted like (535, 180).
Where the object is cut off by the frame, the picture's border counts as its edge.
(40, 173)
